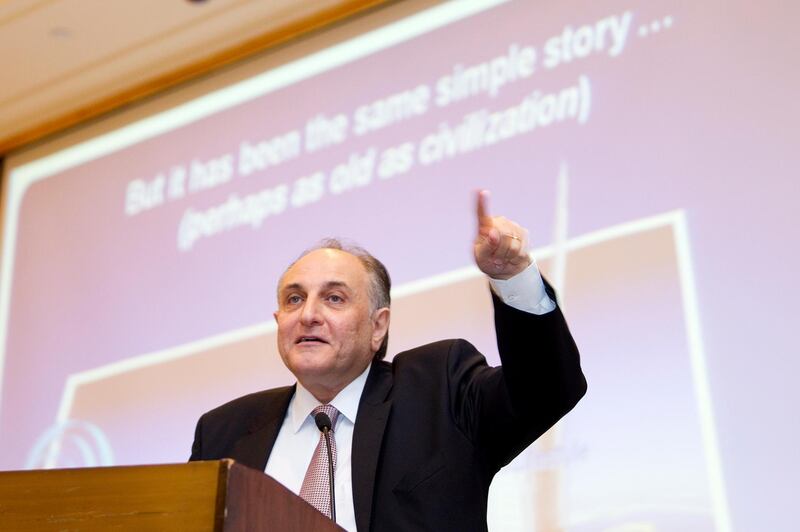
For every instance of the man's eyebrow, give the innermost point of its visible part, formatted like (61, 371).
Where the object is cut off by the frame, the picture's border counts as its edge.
(327, 286)
(292, 286)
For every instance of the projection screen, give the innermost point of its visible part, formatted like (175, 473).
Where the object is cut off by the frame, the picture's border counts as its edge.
(648, 146)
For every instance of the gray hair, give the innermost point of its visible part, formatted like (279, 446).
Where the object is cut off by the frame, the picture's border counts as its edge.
(380, 284)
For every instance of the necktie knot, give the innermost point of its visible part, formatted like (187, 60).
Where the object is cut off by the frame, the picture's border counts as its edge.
(328, 410)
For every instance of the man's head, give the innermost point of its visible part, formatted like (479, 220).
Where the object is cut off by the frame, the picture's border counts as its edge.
(333, 316)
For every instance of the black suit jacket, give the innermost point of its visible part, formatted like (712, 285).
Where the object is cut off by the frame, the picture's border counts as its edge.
(433, 426)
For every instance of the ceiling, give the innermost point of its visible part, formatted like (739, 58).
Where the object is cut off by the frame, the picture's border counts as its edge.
(68, 60)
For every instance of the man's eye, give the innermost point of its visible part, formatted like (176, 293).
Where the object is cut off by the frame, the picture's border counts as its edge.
(333, 298)
(293, 300)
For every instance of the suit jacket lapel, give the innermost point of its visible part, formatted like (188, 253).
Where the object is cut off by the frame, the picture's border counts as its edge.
(253, 449)
(373, 413)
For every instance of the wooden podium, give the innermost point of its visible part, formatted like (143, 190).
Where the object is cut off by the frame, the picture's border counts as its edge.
(219, 496)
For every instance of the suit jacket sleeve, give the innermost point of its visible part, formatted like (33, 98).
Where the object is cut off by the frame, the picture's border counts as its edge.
(503, 410)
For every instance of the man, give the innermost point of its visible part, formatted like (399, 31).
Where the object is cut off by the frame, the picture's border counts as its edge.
(419, 439)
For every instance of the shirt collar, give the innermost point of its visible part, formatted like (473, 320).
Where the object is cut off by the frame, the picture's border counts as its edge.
(346, 402)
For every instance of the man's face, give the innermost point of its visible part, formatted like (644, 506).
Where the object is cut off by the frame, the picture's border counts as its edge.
(327, 333)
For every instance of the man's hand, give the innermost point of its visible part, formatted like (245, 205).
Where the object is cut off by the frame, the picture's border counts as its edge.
(501, 246)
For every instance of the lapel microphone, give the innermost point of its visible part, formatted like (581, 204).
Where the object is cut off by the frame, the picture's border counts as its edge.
(324, 424)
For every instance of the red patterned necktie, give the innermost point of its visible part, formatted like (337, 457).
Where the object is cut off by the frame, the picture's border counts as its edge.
(316, 490)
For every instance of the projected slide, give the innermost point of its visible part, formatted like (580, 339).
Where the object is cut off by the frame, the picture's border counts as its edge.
(139, 267)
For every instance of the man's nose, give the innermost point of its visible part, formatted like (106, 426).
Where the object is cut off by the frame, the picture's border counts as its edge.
(310, 314)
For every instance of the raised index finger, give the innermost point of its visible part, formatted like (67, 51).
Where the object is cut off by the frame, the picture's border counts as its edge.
(484, 220)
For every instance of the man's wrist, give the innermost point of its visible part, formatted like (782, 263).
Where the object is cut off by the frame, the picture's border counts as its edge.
(511, 276)
(524, 291)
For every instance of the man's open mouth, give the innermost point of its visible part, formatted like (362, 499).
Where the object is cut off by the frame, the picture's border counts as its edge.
(310, 339)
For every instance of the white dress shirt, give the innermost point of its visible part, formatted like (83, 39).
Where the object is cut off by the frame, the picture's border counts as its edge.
(298, 436)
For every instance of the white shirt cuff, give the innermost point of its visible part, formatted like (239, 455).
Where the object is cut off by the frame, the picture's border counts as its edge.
(525, 291)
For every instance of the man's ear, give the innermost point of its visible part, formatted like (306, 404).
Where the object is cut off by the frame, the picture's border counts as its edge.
(380, 326)
(275, 315)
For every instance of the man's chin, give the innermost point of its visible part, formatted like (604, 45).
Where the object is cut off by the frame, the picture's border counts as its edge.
(311, 361)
